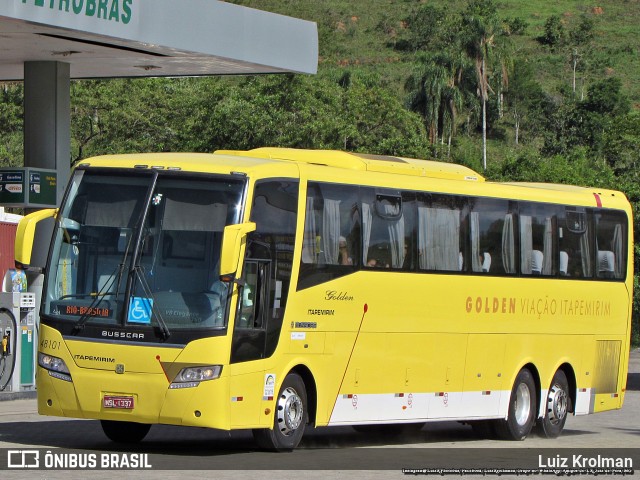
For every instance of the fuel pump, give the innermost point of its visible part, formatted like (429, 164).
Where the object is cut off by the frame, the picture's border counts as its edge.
(8, 327)
(18, 334)
(27, 340)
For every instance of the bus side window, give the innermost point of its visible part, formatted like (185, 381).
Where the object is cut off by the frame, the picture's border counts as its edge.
(538, 239)
(611, 227)
(331, 238)
(383, 228)
(575, 239)
(439, 233)
(491, 227)
(247, 304)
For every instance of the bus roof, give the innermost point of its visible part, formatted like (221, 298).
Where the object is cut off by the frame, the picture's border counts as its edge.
(289, 160)
(365, 162)
(558, 187)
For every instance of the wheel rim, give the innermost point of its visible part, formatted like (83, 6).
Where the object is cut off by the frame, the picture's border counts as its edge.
(557, 403)
(523, 404)
(290, 411)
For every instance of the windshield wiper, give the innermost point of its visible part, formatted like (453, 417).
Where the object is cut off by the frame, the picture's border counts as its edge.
(117, 273)
(97, 298)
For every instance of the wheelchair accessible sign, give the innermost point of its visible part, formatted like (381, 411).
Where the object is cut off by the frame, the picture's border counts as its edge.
(140, 310)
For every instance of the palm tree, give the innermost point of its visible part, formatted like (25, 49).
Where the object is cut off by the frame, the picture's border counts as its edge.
(425, 87)
(480, 26)
(434, 94)
(453, 102)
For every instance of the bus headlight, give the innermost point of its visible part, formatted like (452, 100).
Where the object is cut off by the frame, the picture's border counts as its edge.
(192, 376)
(55, 366)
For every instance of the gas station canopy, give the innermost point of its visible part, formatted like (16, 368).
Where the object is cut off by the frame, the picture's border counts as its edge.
(142, 38)
(46, 43)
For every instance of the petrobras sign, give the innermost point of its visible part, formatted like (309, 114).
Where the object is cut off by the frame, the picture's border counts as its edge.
(116, 11)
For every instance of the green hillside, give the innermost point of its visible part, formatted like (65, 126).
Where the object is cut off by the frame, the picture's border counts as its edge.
(364, 34)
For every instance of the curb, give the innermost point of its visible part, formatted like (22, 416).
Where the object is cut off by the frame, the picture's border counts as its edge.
(7, 396)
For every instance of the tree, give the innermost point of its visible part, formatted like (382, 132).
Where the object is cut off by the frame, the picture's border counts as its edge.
(122, 116)
(11, 125)
(525, 97)
(426, 87)
(434, 93)
(584, 123)
(622, 144)
(579, 37)
(554, 33)
(607, 98)
(604, 103)
(429, 29)
(480, 27)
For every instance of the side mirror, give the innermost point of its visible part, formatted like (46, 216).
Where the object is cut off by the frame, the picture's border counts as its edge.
(232, 241)
(33, 238)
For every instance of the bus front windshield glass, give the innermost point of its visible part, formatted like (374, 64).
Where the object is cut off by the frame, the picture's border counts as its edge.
(141, 252)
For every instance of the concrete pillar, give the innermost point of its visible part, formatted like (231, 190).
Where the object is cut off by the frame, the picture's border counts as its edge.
(47, 119)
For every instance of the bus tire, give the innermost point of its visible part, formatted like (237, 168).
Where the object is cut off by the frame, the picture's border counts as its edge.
(290, 417)
(557, 406)
(125, 432)
(522, 409)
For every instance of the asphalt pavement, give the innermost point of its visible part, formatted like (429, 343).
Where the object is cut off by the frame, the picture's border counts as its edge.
(327, 453)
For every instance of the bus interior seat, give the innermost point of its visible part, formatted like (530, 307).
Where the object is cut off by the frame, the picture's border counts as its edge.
(307, 255)
(189, 309)
(537, 258)
(486, 264)
(105, 272)
(606, 262)
(107, 284)
(564, 263)
(460, 261)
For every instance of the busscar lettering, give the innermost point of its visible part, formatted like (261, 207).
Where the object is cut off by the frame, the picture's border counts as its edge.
(123, 335)
(111, 10)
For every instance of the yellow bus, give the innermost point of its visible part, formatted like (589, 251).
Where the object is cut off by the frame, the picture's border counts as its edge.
(276, 288)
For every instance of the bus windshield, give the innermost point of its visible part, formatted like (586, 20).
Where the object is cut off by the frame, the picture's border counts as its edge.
(140, 253)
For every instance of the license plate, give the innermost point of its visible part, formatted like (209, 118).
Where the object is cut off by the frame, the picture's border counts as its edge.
(113, 401)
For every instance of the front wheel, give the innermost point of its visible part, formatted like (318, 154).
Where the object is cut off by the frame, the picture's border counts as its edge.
(290, 418)
(125, 432)
(557, 407)
(521, 414)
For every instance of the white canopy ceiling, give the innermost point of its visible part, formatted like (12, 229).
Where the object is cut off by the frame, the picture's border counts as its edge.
(131, 38)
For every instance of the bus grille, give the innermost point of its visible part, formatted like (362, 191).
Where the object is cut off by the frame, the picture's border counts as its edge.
(607, 366)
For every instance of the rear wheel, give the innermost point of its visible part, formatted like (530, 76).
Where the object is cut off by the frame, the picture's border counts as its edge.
(125, 432)
(522, 405)
(557, 407)
(290, 418)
